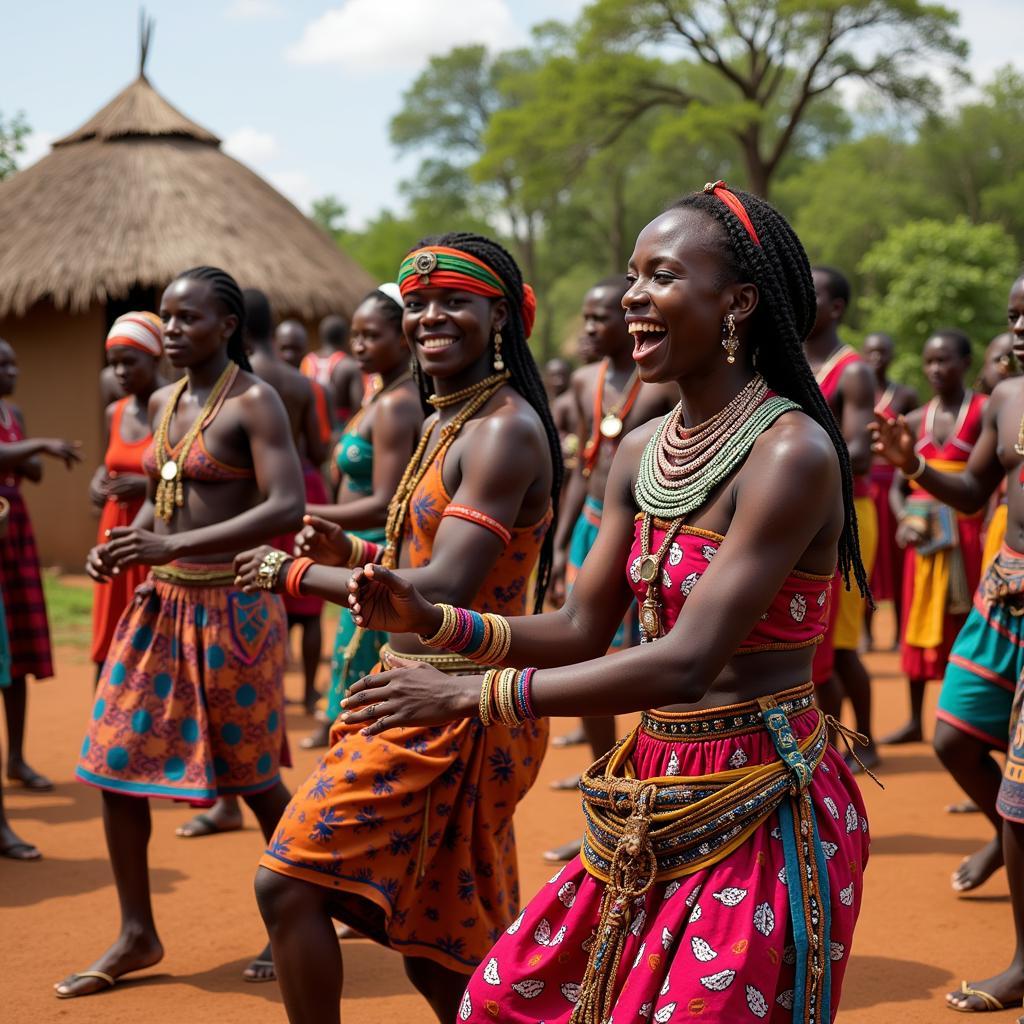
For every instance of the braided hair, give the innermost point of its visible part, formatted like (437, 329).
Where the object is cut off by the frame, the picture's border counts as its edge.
(226, 291)
(780, 323)
(524, 375)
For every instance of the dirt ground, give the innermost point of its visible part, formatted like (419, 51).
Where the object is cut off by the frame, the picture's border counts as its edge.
(915, 939)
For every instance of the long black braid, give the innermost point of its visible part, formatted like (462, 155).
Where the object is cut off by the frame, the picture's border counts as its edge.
(778, 327)
(229, 295)
(525, 377)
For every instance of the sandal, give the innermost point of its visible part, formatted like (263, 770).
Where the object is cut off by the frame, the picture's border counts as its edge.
(21, 851)
(102, 975)
(989, 1001)
(259, 962)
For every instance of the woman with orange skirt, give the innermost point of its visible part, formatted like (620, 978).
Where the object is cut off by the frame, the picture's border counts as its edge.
(134, 346)
(408, 837)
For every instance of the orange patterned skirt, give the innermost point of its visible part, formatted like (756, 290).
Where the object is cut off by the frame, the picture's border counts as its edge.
(418, 823)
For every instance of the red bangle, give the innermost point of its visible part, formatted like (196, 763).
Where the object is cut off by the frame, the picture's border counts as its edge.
(293, 581)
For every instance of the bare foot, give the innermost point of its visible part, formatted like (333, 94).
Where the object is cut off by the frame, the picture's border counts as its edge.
(224, 816)
(867, 758)
(13, 846)
(979, 867)
(20, 771)
(570, 739)
(563, 853)
(128, 953)
(1007, 989)
(571, 782)
(262, 968)
(910, 733)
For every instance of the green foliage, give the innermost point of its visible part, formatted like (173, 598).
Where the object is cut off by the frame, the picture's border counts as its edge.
(13, 131)
(69, 608)
(930, 274)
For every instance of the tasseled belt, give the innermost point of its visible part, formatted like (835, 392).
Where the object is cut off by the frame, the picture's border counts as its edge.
(643, 831)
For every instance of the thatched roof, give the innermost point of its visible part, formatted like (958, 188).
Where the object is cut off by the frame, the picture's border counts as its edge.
(139, 193)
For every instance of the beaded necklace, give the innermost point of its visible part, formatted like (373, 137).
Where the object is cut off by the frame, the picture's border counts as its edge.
(170, 490)
(681, 466)
(446, 401)
(478, 396)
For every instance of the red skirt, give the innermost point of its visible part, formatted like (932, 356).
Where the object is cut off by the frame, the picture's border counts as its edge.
(887, 576)
(111, 598)
(22, 587)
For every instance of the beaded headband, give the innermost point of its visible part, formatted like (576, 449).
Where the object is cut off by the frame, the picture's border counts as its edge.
(721, 191)
(439, 266)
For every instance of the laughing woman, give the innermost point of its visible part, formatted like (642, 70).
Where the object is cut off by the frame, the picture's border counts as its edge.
(407, 837)
(190, 701)
(721, 874)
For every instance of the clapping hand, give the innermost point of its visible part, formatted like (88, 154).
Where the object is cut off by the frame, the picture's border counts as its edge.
(323, 541)
(380, 599)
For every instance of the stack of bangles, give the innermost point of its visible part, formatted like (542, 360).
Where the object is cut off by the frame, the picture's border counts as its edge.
(505, 697)
(483, 638)
(363, 552)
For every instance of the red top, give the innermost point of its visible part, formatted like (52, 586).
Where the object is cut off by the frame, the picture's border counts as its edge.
(958, 445)
(320, 368)
(797, 616)
(828, 377)
(124, 456)
(10, 430)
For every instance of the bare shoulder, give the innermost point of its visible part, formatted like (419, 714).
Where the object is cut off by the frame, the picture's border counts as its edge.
(915, 417)
(1009, 390)
(512, 420)
(797, 450)
(159, 398)
(633, 444)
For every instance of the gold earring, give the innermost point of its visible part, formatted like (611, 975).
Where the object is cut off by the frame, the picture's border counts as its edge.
(499, 363)
(730, 340)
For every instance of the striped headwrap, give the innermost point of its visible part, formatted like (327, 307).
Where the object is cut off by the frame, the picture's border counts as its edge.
(142, 330)
(438, 266)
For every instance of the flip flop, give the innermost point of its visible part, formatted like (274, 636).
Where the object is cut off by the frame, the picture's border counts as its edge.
(21, 851)
(207, 827)
(991, 1004)
(102, 975)
(260, 962)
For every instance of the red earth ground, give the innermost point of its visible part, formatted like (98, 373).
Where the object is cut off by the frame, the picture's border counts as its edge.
(916, 939)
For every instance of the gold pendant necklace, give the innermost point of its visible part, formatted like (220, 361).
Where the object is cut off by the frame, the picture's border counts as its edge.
(650, 572)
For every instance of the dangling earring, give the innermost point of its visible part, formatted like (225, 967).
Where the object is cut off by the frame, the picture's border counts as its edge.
(499, 363)
(730, 341)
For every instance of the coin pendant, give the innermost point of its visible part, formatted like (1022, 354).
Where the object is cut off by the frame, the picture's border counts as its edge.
(169, 470)
(648, 568)
(611, 426)
(650, 620)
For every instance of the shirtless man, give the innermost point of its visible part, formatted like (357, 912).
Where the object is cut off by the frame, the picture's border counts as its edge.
(610, 401)
(976, 709)
(297, 395)
(848, 385)
(557, 378)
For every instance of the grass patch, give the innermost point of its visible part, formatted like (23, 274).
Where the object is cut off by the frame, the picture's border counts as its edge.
(69, 607)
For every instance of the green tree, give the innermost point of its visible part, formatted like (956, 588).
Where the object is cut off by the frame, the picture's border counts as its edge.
(13, 131)
(773, 60)
(930, 274)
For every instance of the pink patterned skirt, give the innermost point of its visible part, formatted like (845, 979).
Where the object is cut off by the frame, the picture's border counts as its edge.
(716, 944)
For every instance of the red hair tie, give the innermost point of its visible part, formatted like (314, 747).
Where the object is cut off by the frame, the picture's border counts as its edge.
(720, 190)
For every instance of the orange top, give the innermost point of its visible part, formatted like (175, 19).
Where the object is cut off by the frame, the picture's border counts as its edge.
(505, 590)
(124, 456)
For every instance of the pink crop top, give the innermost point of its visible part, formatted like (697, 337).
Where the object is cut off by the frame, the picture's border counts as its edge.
(797, 616)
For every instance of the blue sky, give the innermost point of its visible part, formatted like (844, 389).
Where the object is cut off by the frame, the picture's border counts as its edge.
(302, 91)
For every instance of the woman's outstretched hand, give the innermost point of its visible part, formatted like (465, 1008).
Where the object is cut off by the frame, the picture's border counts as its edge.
(323, 541)
(409, 693)
(894, 441)
(380, 599)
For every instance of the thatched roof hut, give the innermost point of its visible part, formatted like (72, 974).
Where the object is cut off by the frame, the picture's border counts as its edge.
(100, 225)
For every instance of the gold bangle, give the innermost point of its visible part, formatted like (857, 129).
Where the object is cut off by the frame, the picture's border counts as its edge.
(270, 569)
(443, 635)
(357, 556)
(506, 707)
(485, 697)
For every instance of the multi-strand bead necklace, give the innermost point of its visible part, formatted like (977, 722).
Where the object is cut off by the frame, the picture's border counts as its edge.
(682, 465)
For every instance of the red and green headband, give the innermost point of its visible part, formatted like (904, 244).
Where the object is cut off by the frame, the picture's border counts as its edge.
(439, 266)
(721, 191)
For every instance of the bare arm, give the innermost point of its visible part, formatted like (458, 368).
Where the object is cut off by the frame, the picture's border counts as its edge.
(858, 392)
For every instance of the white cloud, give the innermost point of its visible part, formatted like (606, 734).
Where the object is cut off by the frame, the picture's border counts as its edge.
(254, 10)
(37, 145)
(251, 146)
(297, 186)
(401, 34)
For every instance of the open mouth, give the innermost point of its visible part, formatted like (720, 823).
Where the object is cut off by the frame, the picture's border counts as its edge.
(435, 342)
(647, 335)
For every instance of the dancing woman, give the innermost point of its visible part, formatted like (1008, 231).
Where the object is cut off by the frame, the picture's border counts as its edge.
(190, 702)
(371, 457)
(407, 837)
(721, 873)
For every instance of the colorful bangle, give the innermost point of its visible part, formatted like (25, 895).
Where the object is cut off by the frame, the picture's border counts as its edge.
(524, 694)
(485, 639)
(293, 581)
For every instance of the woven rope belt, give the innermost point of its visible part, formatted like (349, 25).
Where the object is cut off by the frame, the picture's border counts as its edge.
(640, 832)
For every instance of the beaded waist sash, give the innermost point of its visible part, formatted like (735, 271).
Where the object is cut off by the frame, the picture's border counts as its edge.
(195, 574)
(450, 664)
(643, 831)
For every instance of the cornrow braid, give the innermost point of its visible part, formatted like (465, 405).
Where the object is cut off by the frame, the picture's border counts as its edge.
(782, 320)
(525, 377)
(229, 295)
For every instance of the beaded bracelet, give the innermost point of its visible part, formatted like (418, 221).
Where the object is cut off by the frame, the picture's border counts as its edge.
(505, 697)
(485, 696)
(484, 638)
(293, 581)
